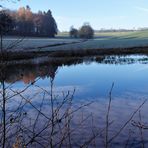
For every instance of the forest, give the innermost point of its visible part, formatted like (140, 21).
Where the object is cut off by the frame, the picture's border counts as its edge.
(26, 23)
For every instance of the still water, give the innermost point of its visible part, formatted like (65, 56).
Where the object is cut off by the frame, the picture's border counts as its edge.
(87, 80)
(91, 79)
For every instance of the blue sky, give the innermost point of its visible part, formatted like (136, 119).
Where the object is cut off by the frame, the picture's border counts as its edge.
(99, 13)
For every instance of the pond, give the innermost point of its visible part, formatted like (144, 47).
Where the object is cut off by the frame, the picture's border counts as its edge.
(76, 102)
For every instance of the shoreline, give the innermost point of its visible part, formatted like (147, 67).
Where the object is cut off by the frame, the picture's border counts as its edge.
(31, 54)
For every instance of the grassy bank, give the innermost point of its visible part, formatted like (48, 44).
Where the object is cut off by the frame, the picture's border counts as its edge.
(112, 43)
(8, 56)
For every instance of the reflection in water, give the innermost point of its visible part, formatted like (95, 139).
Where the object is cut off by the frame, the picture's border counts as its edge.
(35, 115)
(29, 72)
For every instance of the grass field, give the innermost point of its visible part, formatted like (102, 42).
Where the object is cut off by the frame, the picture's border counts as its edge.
(101, 41)
(129, 34)
(109, 43)
(110, 40)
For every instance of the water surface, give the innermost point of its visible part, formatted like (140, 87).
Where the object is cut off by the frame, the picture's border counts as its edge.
(90, 79)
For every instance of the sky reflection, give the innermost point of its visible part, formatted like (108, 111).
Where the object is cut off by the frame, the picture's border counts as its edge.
(91, 82)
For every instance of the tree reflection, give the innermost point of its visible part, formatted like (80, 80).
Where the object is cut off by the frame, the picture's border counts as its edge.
(29, 72)
(38, 119)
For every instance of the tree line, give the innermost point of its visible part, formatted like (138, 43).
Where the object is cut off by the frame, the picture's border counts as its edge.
(26, 23)
(86, 31)
(23, 22)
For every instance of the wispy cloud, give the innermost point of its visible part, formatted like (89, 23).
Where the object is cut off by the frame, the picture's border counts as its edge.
(141, 9)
